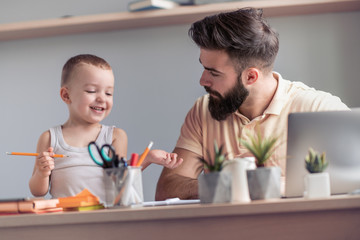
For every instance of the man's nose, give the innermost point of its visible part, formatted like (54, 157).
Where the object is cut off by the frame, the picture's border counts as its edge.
(204, 80)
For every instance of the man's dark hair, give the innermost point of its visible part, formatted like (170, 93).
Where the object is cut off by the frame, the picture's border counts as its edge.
(244, 34)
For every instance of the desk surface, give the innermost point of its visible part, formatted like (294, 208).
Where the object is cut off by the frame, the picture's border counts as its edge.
(337, 217)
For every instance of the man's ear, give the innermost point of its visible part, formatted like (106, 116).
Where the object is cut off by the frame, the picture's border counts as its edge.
(64, 94)
(250, 76)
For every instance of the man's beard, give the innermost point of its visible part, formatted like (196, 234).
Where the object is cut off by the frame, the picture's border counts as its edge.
(221, 107)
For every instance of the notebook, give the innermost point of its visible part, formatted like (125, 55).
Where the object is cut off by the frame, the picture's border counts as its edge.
(335, 132)
(28, 205)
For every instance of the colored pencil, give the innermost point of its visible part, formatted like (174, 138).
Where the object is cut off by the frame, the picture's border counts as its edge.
(143, 155)
(34, 154)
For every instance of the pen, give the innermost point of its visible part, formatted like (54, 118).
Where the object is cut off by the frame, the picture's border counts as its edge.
(123, 162)
(34, 154)
(142, 157)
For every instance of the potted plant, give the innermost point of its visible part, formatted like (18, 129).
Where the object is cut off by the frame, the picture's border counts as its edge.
(214, 185)
(263, 182)
(317, 182)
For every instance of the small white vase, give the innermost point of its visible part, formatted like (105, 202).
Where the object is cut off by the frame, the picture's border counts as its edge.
(317, 185)
(237, 167)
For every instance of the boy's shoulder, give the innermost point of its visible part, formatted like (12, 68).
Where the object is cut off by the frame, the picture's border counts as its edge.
(44, 140)
(45, 134)
(118, 132)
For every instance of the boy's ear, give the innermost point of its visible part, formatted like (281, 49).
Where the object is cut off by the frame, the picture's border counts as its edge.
(64, 94)
(250, 76)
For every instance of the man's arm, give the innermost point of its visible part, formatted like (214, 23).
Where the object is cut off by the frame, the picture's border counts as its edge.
(182, 181)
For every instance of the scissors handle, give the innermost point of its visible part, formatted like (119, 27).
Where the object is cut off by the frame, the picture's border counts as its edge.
(103, 153)
(94, 158)
(106, 151)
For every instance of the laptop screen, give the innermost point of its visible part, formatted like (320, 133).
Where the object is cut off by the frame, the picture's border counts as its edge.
(337, 133)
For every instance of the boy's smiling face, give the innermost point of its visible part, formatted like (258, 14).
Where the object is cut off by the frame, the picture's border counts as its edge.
(90, 92)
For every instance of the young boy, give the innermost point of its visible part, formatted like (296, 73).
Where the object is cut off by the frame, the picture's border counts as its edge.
(87, 87)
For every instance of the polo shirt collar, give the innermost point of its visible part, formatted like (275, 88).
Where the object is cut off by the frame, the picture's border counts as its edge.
(278, 101)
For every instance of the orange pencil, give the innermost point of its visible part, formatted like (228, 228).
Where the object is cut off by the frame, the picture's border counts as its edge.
(34, 154)
(142, 157)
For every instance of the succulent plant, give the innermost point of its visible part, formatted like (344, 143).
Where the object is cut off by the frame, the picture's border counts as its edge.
(315, 162)
(217, 164)
(262, 148)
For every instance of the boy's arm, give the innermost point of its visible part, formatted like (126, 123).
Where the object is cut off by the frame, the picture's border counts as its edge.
(44, 163)
(182, 181)
(162, 158)
(120, 142)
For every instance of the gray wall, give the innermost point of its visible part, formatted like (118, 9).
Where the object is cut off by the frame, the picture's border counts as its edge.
(157, 73)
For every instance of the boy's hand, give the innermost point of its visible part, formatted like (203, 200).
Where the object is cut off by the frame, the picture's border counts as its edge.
(44, 163)
(163, 158)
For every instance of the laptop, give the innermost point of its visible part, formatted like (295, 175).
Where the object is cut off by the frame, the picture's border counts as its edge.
(337, 133)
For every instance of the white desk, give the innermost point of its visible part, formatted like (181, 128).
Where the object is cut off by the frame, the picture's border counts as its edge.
(335, 218)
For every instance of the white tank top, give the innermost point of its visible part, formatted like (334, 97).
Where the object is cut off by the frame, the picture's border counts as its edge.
(78, 171)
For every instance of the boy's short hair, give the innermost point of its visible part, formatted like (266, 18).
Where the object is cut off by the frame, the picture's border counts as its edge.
(71, 64)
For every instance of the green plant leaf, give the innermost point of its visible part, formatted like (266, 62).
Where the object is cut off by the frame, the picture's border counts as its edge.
(261, 148)
(315, 162)
(215, 164)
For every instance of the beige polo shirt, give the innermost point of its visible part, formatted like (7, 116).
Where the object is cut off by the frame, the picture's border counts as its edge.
(200, 129)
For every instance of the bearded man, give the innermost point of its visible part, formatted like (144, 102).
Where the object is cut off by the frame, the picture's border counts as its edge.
(237, 52)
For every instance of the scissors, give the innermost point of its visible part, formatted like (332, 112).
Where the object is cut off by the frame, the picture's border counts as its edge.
(104, 156)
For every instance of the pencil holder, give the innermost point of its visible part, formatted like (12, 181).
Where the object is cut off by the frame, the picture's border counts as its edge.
(114, 180)
(133, 188)
(123, 186)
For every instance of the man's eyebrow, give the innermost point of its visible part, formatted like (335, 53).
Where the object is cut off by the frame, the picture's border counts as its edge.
(210, 69)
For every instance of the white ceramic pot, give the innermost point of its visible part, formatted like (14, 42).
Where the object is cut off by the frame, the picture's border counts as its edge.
(237, 167)
(317, 185)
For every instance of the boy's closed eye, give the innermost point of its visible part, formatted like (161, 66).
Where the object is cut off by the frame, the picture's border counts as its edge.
(90, 91)
(107, 93)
